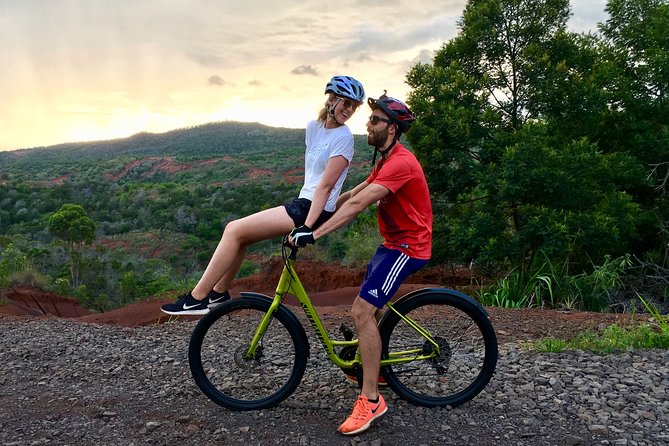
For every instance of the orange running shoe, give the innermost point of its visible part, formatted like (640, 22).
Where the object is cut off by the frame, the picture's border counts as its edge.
(364, 412)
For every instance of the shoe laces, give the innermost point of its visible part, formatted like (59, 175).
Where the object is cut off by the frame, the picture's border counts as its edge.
(361, 408)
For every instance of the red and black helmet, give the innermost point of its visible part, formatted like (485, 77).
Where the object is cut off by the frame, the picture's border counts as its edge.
(396, 110)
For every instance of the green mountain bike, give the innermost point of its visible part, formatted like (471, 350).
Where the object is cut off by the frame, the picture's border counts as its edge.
(438, 346)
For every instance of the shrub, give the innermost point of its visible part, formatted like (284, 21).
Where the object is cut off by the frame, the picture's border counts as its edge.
(28, 277)
(520, 290)
(551, 287)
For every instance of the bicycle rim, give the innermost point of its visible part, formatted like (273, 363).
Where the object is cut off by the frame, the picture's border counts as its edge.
(218, 362)
(467, 350)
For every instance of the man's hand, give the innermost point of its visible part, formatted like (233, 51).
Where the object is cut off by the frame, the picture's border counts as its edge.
(301, 236)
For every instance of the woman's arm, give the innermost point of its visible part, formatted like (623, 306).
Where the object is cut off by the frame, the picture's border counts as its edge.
(333, 171)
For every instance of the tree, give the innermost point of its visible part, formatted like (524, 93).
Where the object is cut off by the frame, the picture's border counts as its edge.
(636, 39)
(500, 132)
(72, 225)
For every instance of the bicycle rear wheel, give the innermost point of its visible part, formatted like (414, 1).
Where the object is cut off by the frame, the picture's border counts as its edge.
(218, 346)
(467, 348)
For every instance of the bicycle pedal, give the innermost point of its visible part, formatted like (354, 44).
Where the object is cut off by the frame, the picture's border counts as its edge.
(347, 332)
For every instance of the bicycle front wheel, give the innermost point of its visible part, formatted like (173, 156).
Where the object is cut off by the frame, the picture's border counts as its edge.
(459, 365)
(219, 363)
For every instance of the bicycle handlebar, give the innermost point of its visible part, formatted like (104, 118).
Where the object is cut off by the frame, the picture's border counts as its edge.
(293, 249)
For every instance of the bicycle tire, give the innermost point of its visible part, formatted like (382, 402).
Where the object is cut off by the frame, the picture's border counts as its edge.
(217, 347)
(467, 341)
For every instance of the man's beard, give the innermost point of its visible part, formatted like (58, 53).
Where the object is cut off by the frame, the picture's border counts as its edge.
(377, 139)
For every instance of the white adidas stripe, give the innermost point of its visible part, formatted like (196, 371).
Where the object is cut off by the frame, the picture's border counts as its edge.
(394, 272)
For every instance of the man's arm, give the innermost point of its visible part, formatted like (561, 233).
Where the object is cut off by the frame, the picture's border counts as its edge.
(351, 193)
(357, 201)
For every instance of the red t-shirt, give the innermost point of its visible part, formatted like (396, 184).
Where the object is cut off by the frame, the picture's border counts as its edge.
(405, 214)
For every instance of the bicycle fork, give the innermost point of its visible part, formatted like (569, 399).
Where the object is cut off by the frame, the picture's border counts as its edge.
(256, 342)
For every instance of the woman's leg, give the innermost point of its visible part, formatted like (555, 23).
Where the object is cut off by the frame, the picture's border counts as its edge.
(226, 281)
(237, 235)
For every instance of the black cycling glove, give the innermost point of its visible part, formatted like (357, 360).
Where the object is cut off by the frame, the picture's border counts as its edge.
(302, 236)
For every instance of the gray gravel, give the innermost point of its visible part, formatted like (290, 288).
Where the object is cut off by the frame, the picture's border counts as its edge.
(69, 383)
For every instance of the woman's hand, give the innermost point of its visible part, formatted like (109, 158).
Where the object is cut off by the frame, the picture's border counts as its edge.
(301, 236)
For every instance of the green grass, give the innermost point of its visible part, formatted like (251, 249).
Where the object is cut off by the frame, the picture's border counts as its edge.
(614, 338)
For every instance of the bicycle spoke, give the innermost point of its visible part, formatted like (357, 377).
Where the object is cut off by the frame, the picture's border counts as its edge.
(223, 368)
(453, 372)
(225, 346)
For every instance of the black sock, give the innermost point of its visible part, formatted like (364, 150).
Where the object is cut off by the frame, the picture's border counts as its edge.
(373, 401)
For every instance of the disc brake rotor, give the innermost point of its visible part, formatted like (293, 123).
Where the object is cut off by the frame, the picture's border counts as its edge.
(442, 353)
(247, 363)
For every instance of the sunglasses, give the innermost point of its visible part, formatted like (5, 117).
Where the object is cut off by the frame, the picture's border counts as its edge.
(348, 103)
(374, 119)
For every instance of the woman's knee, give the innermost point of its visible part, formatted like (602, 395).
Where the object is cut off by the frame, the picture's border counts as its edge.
(234, 230)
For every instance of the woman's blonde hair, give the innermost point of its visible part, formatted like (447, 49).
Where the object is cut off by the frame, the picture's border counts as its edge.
(323, 114)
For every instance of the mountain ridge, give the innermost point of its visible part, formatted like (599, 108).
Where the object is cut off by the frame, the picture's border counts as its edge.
(205, 141)
(250, 128)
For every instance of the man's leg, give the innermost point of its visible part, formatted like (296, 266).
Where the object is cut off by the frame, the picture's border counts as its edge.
(364, 318)
(370, 404)
(385, 272)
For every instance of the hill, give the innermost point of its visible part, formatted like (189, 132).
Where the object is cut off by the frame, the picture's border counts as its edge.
(160, 203)
(199, 142)
(171, 151)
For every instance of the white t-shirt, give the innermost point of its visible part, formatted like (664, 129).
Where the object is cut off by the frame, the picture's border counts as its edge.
(323, 144)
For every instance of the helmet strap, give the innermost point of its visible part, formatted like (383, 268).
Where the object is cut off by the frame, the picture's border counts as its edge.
(331, 111)
(388, 149)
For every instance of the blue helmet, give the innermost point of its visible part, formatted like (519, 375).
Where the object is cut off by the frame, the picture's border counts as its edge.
(346, 87)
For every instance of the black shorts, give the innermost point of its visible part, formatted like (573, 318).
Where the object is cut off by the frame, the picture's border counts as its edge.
(298, 209)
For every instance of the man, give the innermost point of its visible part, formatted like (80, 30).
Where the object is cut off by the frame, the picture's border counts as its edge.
(398, 185)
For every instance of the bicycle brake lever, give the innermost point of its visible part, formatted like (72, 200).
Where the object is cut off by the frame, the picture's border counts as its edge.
(293, 249)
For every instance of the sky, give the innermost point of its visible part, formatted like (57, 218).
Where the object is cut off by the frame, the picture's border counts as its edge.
(85, 70)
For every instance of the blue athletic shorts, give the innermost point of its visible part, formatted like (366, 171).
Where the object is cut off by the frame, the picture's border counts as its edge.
(385, 273)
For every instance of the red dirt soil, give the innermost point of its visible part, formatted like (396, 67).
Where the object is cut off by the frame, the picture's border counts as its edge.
(332, 289)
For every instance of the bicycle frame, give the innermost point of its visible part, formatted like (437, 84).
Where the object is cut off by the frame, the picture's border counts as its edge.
(289, 283)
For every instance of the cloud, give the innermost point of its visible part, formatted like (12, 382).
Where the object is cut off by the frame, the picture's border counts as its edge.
(305, 69)
(378, 40)
(364, 57)
(424, 57)
(156, 55)
(216, 80)
(584, 14)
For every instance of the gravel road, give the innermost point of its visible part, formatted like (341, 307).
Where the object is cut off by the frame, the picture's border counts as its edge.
(70, 383)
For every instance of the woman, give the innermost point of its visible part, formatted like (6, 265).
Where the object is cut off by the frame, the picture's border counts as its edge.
(329, 150)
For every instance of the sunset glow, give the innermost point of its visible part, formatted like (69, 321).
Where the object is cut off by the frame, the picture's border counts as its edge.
(81, 70)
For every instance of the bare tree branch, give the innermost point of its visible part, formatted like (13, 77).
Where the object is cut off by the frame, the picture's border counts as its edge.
(664, 182)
